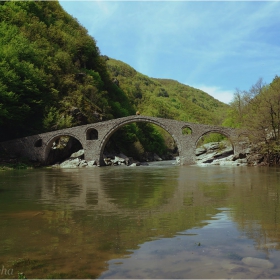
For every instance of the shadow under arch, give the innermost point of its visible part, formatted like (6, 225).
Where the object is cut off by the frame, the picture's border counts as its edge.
(73, 144)
(138, 120)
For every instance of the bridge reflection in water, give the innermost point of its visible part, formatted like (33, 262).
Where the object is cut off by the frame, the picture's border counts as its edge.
(73, 221)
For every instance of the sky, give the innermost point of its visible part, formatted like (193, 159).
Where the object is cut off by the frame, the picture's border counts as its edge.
(216, 46)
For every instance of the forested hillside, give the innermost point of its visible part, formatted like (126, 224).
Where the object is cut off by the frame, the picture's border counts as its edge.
(52, 76)
(166, 98)
(51, 73)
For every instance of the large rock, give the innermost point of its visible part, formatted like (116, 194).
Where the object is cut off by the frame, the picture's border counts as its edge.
(80, 153)
(118, 160)
(199, 151)
(178, 160)
(135, 164)
(107, 161)
(211, 146)
(91, 163)
(256, 262)
(83, 163)
(157, 158)
(224, 153)
(70, 163)
(243, 154)
(255, 159)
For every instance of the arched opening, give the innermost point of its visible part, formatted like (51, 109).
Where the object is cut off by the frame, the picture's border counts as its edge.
(213, 148)
(139, 142)
(38, 143)
(92, 134)
(63, 147)
(186, 130)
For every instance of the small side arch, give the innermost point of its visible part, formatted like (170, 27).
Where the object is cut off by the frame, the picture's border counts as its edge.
(38, 143)
(91, 134)
(186, 130)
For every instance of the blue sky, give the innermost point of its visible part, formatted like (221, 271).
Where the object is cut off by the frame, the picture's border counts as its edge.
(215, 46)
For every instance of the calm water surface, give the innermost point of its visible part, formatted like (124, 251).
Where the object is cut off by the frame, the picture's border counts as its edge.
(157, 221)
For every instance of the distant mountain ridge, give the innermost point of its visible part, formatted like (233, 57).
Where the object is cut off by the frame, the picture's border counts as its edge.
(165, 97)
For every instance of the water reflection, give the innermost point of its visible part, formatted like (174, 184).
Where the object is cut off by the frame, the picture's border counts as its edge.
(144, 222)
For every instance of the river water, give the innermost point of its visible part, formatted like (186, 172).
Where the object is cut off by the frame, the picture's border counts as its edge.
(157, 221)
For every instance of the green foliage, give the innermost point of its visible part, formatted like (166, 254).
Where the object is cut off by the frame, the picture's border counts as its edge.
(151, 139)
(212, 137)
(186, 130)
(133, 139)
(21, 275)
(258, 112)
(166, 98)
(53, 120)
(50, 65)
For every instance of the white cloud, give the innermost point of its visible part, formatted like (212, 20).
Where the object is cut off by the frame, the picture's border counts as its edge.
(217, 92)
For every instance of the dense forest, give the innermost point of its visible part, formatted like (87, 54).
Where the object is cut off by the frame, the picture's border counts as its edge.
(53, 76)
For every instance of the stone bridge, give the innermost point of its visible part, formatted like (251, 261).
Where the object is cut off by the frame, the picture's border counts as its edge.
(93, 137)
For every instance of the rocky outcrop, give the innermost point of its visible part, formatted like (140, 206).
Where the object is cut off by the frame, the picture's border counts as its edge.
(221, 153)
(257, 262)
(217, 153)
(76, 161)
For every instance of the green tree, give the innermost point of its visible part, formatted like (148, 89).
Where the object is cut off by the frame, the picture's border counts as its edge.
(258, 111)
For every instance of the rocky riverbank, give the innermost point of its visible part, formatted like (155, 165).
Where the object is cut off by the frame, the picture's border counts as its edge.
(215, 153)
(76, 160)
(221, 153)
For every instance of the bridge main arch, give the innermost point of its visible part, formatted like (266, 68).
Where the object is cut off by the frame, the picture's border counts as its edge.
(139, 119)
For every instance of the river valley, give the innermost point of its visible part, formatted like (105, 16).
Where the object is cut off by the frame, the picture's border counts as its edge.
(156, 221)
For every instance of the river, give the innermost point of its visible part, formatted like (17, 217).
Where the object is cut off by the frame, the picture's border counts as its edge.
(157, 221)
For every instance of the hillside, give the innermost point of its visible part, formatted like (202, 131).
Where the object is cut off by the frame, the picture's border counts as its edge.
(52, 76)
(165, 98)
(51, 73)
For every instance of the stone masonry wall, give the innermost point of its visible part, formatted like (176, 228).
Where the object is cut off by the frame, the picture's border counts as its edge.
(37, 147)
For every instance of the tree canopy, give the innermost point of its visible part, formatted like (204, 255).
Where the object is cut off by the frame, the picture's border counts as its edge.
(258, 112)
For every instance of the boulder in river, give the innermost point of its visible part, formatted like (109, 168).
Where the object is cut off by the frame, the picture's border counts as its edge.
(256, 262)
(78, 154)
